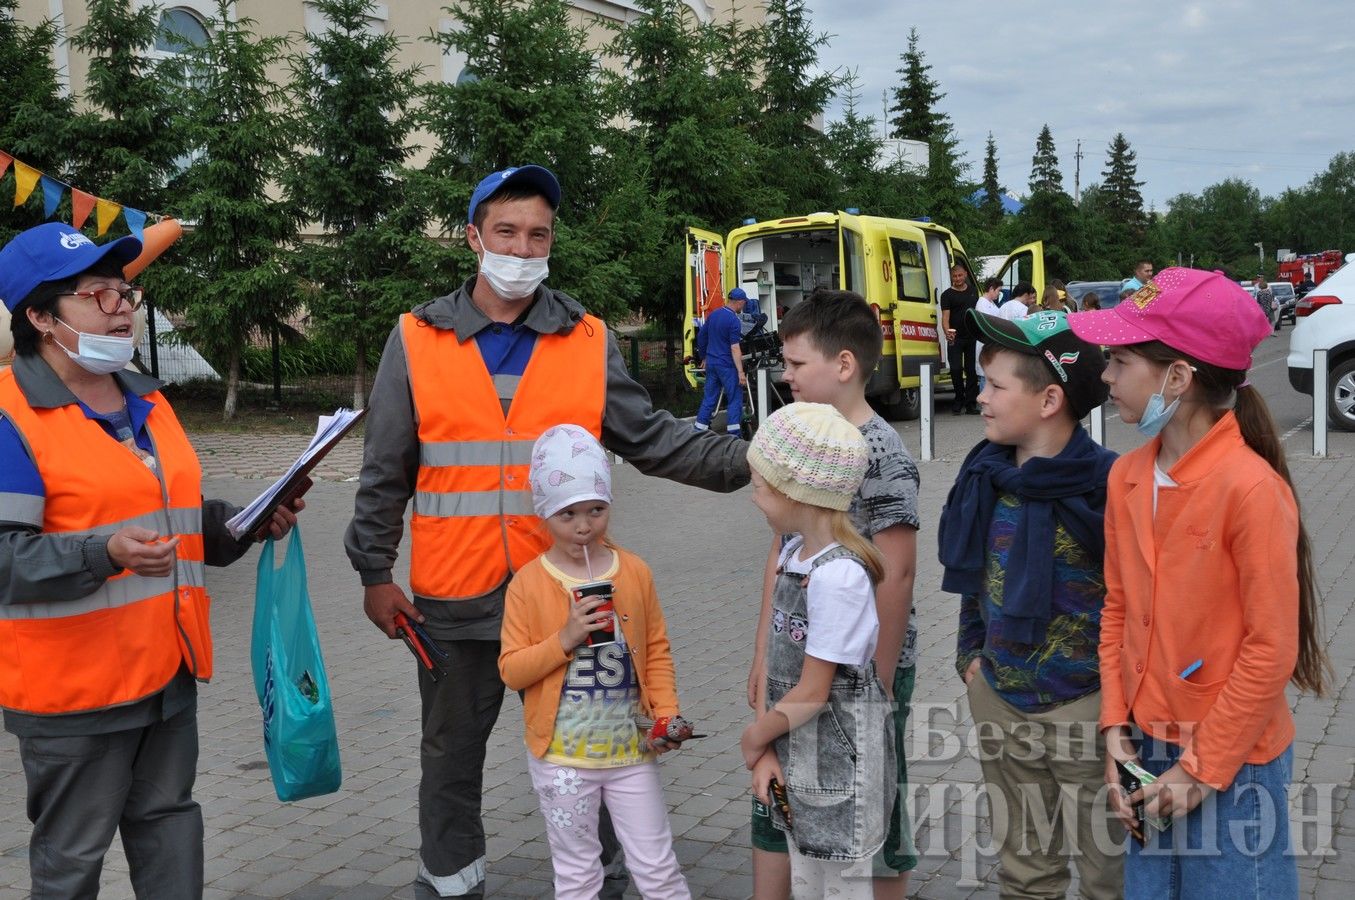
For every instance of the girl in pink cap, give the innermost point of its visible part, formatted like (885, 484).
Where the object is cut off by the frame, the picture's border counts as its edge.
(1211, 605)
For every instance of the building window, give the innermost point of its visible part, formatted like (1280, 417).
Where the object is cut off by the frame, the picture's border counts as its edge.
(180, 31)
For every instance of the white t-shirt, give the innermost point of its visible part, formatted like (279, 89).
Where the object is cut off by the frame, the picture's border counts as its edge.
(1013, 309)
(843, 626)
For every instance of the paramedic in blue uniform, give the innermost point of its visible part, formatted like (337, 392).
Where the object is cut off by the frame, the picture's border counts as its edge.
(723, 360)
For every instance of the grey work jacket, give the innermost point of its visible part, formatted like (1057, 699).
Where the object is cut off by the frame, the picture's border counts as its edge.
(652, 440)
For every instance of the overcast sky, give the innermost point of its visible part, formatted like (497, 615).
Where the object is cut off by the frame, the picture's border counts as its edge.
(1255, 89)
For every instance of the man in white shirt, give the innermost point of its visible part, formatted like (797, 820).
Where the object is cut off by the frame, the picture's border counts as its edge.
(1017, 307)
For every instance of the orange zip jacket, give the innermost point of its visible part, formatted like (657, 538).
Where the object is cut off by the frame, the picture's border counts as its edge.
(531, 659)
(1214, 576)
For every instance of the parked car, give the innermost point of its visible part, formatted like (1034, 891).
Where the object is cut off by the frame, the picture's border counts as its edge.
(1325, 319)
(1108, 292)
(1284, 294)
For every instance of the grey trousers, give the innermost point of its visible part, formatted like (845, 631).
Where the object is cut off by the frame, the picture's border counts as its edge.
(459, 713)
(81, 789)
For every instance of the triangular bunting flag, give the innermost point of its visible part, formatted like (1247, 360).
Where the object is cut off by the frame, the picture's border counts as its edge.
(136, 222)
(82, 205)
(25, 179)
(105, 211)
(51, 195)
(5, 160)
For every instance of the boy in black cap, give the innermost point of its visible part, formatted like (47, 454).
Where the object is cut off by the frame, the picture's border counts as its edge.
(1022, 543)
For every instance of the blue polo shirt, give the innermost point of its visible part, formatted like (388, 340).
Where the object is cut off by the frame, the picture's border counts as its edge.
(721, 332)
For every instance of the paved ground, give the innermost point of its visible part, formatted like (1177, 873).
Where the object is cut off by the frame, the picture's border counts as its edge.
(705, 551)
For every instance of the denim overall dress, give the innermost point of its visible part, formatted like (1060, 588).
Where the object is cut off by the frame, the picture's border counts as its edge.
(839, 766)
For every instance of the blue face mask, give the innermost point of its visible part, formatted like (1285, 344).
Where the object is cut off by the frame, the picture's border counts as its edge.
(1158, 412)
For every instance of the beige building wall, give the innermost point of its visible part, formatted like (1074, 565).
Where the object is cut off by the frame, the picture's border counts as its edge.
(412, 20)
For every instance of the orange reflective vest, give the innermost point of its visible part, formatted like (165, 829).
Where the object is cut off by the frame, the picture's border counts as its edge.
(473, 523)
(127, 640)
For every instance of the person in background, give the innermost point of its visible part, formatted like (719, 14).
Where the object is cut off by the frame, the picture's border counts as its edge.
(1143, 272)
(104, 536)
(1265, 298)
(1051, 300)
(1090, 301)
(753, 319)
(956, 301)
(722, 358)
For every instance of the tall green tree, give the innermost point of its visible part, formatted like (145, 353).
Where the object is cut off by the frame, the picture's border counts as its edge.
(129, 146)
(35, 117)
(371, 260)
(240, 124)
(991, 205)
(695, 163)
(792, 96)
(945, 192)
(1044, 166)
(530, 94)
(915, 116)
(1122, 198)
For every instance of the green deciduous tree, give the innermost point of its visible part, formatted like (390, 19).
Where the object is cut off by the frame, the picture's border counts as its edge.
(371, 260)
(238, 121)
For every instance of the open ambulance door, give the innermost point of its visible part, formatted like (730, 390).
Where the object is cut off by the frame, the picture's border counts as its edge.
(705, 290)
(1025, 263)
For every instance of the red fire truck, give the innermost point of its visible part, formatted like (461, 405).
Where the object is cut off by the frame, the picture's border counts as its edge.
(1318, 266)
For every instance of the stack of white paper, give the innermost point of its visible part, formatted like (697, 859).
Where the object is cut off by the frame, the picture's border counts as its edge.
(327, 433)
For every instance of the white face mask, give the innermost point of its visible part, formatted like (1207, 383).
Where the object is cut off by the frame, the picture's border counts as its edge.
(512, 277)
(101, 354)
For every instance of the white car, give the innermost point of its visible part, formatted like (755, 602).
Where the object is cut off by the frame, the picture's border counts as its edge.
(1325, 319)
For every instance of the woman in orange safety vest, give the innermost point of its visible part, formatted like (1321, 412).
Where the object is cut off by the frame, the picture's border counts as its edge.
(104, 536)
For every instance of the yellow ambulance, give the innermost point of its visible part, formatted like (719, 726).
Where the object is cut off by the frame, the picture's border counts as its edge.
(900, 266)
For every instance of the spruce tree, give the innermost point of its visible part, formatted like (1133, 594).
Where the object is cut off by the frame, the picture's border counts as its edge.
(240, 125)
(129, 147)
(1044, 171)
(991, 206)
(371, 260)
(793, 94)
(35, 117)
(1122, 199)
(685, 144)
(530, 94)
(915, 115)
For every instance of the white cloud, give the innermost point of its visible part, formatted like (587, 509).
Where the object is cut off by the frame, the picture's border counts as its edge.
(1194, 17)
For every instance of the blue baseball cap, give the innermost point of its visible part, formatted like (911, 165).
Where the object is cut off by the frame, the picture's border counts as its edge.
(738, 294)
(533, 176)
(52, 252)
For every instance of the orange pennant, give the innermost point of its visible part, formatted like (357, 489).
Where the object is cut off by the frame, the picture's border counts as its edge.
(5, 160)
(105, 211)
(82, 205)
(25, 179)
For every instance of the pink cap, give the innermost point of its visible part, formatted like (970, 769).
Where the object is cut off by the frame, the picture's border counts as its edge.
(1202, 314)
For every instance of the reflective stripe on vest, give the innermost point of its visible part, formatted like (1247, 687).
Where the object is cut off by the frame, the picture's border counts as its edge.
(473, 524)
(127, 639)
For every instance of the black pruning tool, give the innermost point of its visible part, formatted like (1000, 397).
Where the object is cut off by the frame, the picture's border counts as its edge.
(426, 650)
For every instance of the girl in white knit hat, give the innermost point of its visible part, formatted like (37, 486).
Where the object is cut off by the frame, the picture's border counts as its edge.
(826, 738)
(588, 665)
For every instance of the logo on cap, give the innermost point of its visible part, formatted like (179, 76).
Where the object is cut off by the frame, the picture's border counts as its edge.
(75, 240)
(1058, 362)
(1145, 295)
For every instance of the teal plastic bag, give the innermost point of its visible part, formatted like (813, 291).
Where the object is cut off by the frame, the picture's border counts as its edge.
(299, 736)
